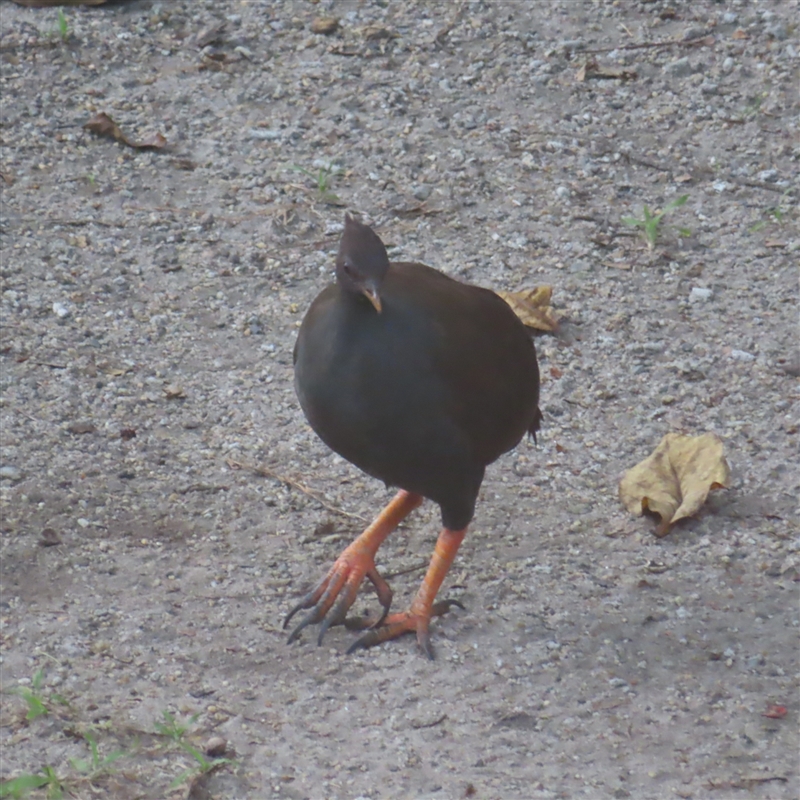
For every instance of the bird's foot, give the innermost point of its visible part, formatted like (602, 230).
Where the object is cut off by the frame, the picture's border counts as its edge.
(331, 598)
(394, 625)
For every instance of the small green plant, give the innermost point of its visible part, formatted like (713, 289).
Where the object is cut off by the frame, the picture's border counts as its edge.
(35, 698)
(97, 766)
(323, 178)
(23, 785)
(754, 105)
(776, 214)
(63, 26)
(204, 765)
(172, 728)
(650, 222)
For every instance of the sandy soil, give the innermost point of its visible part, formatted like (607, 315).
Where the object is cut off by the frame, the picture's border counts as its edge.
(164, 502)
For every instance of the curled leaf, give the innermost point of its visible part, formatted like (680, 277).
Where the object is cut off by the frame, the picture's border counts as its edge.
(532, 306)
(324, 25)
(674, 481)
(103, 125)
(591, 69)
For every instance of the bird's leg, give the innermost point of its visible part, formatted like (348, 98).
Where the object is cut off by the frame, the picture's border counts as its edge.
(332, 597)
(418, 617)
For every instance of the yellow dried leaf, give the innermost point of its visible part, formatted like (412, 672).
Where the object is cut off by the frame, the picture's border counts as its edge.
(675, 479)
(324, 25)
(532, 306)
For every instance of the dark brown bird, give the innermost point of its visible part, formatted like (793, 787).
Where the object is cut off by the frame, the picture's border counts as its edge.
(421, 381)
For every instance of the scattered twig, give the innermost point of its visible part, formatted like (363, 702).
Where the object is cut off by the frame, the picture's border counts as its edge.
(761, 185)
(645, 163)
(202, 487)
(438, 721)
(415, 568)
(705, 40)
(267, 472)
(46, 364)
(745, 783)
(444, 32)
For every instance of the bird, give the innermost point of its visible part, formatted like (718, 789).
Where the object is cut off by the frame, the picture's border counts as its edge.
(421, 381)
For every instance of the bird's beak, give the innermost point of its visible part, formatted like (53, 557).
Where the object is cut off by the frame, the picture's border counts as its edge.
(371, 293)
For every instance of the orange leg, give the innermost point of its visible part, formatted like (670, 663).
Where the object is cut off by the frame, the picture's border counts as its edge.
(418, 617)
(332, 597)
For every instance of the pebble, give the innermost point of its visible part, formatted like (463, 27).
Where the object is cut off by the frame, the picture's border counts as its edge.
(768, 175)
(216, 746)
(422, 191)
(61, 310)
(679, 68)
(777, 30)
(699, 294)
(742, 355)
(10, 473)
(728, 64)
(265, 134)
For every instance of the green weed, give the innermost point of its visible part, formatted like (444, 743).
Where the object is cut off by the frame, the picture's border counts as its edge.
(21, 786)
(204, 765)
(63, 26)
(97, 766)
(649, 223)
(173, 729)
(323, 180)
(34, 697)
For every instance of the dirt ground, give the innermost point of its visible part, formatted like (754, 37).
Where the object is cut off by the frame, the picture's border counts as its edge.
(164, 502)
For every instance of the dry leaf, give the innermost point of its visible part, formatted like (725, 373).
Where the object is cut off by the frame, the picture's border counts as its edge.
(375, 31)
(532, 306)
(776, 712)
(591, 69)
(324, 25)
(674, 481)
(103, 125)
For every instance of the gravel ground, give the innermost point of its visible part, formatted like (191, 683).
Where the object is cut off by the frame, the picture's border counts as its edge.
(164, 502)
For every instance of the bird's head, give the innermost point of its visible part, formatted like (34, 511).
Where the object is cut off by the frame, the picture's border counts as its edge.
(362, 261)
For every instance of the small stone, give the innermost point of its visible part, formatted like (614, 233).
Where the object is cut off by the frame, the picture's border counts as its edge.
(422, 192)
(174, 392)
(679, 68)
(777, 30)
(768, 175)
(720, 186)
(10, 473)
(216, 746)
(699, 294)
(694, 32)
(265, 134)
(728, 64)
(49, 538)
(562, 192)
(61, 310)
(81, 427)
(742, 355)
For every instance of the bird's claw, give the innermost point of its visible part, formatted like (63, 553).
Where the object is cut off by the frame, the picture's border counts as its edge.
(390, 627)
(332, 597)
